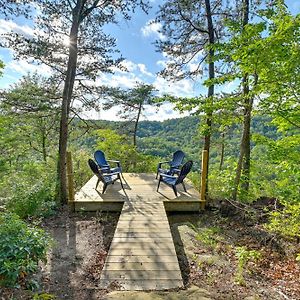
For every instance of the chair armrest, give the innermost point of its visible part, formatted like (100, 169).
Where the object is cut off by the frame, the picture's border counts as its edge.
(115, 161)
(115, 173)
(162, 162)
(169, 176)
(104, 166)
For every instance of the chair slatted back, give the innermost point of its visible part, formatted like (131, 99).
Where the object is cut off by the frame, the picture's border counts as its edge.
(100, 158)
(177, 160)
(96, 170)
(186, 168)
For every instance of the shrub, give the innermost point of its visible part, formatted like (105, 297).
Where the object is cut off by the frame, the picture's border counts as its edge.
(195, 179)
(244, 256)
(21, 248)
(35, 201)
(118, 147)
(286, 222)
(81, 170)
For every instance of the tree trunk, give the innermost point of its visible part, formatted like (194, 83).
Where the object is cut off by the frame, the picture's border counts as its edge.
(136, 124)
(222, 151)
(66, 101)
(244, 158)
(247, 150)
(44, 147)
(245, 141)
(211, 75)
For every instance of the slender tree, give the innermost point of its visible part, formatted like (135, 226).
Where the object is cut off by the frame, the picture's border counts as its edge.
(244, 157)
(33, 102)
(190, 30)
(131, 103)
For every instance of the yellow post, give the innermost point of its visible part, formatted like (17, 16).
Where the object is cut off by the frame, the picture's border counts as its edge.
(70, 177)
(203, 178)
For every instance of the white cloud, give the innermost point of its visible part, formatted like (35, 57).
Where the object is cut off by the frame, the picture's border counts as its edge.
(132, 67)
(7, 26)
(129, 65)
(152, 28)
(144, 70)
(181, 88)
(23, 67)
(128, 80)
(164, 112)
(162, 63)
(228, 87)
(192, 65)
(151, 113)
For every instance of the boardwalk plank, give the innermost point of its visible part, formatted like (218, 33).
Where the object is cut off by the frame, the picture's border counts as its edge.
(142, 255)
(151, 266)
(141, 285)
(142, 259)
(138, 259)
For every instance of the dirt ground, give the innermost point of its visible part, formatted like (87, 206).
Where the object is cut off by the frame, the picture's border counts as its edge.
(207, 249)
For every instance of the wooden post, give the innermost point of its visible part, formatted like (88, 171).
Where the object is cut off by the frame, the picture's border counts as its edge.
(203, 178)
(70, 177)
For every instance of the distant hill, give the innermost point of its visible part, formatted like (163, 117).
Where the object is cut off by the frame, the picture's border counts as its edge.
(162, 138)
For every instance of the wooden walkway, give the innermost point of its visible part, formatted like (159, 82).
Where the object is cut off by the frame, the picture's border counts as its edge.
(142, 254)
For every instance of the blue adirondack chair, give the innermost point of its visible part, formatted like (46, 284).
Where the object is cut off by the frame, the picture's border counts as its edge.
(104, 165)
(106, 179)
(172, 180)
(174, 164)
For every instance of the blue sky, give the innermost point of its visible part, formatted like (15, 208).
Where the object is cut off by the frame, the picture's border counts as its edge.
(135, 41)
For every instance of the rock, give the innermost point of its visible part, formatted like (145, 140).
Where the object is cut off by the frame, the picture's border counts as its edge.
(255, 297)
(187, 236)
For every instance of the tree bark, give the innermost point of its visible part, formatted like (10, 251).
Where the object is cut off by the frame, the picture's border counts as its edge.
(222, 151)
(211, 75)
(66, 101)
(136, 124)
(44, 147)
(244, 158)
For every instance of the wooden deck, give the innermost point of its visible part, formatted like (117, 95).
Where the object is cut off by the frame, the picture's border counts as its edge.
(136, 185)
(142, 254)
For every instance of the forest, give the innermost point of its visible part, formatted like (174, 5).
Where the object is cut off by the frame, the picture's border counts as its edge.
(252, 135)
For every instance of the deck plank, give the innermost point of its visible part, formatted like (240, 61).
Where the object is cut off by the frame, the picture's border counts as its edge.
(142, 254)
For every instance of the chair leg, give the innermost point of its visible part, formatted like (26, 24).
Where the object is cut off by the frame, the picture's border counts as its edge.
(174, 189)
(104, 188)
(121, 182)
(97, 183)
(122, 176)
(158, 183)
(184, 186)
(156, 175)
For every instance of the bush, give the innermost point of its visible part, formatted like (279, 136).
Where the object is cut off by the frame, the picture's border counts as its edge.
(82, 172)
(195, 178)
(221, 181)
(118, 147)
(286, 222)
(21, 248)
(35, 201)
(244, 256)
